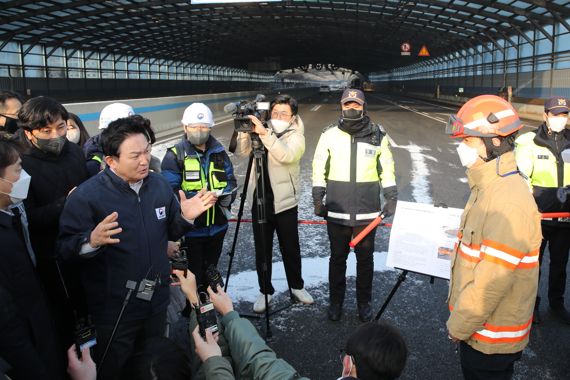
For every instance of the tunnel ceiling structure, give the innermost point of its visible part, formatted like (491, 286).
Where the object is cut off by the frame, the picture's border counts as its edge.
(363, 35)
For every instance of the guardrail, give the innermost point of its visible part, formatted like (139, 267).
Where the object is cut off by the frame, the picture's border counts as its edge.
(165, 113)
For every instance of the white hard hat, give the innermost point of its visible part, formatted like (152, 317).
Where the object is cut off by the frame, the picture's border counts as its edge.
(113, 112)
(198, 113)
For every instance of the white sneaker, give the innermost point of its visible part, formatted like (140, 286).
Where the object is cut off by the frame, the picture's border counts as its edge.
(303, 296)
(259, 305)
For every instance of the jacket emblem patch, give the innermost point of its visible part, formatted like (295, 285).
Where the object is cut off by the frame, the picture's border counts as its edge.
(160, 212)
(191, 175)
(369, 152)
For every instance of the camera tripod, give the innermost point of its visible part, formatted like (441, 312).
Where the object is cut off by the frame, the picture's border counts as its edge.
(257, 158)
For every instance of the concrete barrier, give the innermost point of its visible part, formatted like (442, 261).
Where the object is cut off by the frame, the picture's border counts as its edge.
(165, 113)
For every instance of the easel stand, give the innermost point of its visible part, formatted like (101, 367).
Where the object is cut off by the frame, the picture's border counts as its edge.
(257, 158)
(401, 278)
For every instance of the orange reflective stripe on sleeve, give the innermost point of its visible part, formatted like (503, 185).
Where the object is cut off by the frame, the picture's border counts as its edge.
(471, 253)
(530, 260)
(501, 254)
(503, 334)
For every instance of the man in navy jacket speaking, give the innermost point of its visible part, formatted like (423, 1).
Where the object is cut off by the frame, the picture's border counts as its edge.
(118, 224)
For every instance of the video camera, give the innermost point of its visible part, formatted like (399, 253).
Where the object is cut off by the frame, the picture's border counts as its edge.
(242, 109)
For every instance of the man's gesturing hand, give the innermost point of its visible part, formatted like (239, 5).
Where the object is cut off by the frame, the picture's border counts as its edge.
(195, 206)
(102, 234)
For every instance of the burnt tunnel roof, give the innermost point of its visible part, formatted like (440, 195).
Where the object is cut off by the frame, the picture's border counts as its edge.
(363, 35)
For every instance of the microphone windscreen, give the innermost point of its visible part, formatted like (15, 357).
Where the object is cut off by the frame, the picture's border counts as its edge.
(230, 108)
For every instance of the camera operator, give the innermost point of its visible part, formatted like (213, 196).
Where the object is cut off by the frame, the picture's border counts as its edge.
(284, 141)
(119, 223)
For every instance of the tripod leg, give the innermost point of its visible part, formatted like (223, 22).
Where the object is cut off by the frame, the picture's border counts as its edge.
(401, 279)
(243, 196)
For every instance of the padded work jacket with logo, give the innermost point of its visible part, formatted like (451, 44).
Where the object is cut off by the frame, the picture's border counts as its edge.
(284, 153)
(538, 156)
(494, 267)
(352, 167)
(189, 170)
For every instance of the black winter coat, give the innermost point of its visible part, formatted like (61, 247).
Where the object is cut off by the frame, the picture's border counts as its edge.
(148, 220)
(52, 179)
(27, 339)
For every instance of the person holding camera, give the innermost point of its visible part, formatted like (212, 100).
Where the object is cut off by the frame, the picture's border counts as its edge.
(237, 341)
(352, 162)
(284, 141)
(198, 161)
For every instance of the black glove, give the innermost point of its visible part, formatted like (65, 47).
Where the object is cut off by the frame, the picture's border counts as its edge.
(391, 198)
(321, 209)
(318, 195)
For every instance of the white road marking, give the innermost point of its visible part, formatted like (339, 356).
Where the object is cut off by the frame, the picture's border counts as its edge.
(392, 142)
(315, 108)
(416, 112)
(420, 171)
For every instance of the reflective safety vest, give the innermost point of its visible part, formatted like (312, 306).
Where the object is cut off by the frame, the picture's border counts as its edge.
(538, 158)
(352, 168)
(98, 157)
(195, 179)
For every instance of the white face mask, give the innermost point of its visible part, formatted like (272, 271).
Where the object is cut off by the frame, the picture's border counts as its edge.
(467, 155)
(557, 124)
(279, 125)
(73, 135)
(19, 188)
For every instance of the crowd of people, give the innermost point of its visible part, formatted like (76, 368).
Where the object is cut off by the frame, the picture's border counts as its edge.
(89, 227)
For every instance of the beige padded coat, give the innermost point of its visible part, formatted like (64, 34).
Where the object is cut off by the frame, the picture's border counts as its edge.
(494, 267)
(283, 157)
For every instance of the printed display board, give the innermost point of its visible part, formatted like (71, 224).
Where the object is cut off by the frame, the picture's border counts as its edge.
(422, 238)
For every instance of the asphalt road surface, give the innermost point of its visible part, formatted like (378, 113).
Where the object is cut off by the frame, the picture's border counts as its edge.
(428, 171)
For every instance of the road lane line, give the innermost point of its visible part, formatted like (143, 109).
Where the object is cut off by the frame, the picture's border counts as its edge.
(412, 110)
(315, 108)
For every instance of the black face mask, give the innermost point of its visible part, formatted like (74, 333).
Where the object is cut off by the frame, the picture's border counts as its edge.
(352, 114)
(10, 125)
(52, 146)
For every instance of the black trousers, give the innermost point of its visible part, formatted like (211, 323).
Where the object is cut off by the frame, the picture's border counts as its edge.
(128, 338)
(285, 223)
(203, 251)
(339, 237)
(479, 366)
(558, 240)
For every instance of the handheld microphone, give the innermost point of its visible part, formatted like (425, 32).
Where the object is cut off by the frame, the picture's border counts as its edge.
(230, 108)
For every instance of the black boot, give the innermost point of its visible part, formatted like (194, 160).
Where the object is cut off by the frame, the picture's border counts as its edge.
(335, 311)
(560, 312)
(364, 312)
